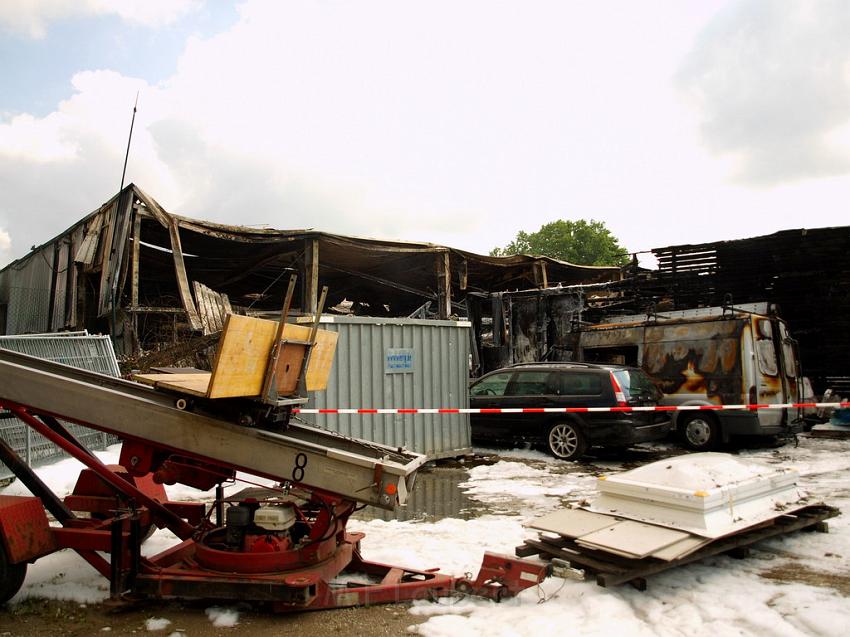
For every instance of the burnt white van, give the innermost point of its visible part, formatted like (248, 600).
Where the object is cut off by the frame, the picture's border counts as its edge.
(709, 356)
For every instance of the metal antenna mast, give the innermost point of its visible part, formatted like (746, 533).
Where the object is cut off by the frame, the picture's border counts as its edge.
(127, 154)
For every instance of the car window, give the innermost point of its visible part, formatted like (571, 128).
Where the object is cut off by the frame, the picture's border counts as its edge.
(580, 384)
(635, 383)
(492, 385)
(529, 383)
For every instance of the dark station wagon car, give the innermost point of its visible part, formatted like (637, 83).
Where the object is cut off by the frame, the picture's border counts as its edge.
(567, 435)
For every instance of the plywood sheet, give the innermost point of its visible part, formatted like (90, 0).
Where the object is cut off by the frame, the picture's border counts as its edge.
(631, 539)
(244, 351)
(572, 522)
(242, 357)
(682, 548)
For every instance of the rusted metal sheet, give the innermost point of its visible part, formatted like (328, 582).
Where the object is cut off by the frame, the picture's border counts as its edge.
(88, 247)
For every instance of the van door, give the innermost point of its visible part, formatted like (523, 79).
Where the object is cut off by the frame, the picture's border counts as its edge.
(771, 389)
(791, 372)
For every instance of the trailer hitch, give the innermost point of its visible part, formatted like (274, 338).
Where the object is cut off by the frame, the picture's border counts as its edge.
(503, 576)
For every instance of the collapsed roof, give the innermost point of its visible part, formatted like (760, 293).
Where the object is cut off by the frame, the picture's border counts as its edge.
(131, 267)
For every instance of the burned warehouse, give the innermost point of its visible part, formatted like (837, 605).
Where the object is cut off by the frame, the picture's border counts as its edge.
(150, 278)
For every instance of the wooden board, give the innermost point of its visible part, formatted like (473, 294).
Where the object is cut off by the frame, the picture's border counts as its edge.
(322, 356)
(244, 351)
(290, 359)
(682, 548)
(572, 522)
(631, 539)
(195, 383)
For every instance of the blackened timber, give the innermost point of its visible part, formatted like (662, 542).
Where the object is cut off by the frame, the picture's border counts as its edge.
(376, 279)
(310, 277)
(444, 285)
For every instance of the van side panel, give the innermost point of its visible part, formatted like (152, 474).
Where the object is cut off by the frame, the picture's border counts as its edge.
(698, 360)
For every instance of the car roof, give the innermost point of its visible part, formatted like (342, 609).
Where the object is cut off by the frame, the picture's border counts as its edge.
(556, 365)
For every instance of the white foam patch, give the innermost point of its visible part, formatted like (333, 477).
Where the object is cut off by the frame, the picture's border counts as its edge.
(157, 623)
(223, 617)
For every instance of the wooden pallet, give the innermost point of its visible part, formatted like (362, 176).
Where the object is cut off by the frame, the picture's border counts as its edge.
(613, 570)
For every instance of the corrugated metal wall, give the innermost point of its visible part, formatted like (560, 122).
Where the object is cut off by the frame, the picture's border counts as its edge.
(433, 372)
(28, 286)
(25, 288)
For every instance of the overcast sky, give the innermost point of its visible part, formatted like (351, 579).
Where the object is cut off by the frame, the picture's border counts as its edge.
(451, 122)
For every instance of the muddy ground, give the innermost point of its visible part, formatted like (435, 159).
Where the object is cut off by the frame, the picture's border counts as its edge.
(37, 618)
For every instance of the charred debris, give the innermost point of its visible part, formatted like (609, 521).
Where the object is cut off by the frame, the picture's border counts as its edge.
(161, 284)
(801, 275)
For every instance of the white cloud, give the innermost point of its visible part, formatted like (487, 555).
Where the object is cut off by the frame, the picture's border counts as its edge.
(772, 82)
(456, 123)
(32, 17)
(5, 242)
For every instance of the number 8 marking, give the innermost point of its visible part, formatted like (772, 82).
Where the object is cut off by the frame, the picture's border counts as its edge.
(300, 465)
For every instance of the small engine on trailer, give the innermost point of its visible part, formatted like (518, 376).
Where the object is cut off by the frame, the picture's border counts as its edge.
(255, 527)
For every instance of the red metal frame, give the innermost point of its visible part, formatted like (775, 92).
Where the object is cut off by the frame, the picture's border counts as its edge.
(323, 570)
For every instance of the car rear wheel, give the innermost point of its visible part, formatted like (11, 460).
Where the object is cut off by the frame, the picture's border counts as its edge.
(700, 432)
(566, 441)
(11, 577)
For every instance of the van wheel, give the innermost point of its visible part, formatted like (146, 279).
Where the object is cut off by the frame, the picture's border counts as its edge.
(566, 441)
(11, 577)
(700, 432)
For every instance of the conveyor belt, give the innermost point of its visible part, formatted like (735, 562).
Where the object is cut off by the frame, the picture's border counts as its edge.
(355, 469)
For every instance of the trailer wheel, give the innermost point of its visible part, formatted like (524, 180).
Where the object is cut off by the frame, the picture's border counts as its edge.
(700, 431)
(566, 441)
(11, 577)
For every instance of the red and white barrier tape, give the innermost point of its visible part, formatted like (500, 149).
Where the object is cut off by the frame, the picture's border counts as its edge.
(568, 410)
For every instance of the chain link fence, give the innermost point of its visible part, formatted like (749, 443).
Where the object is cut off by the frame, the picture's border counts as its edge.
(78, 349)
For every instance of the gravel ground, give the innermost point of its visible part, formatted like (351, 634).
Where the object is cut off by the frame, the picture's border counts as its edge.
(38, 617)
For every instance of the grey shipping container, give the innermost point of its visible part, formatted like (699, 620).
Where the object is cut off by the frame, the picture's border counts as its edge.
(399, 363)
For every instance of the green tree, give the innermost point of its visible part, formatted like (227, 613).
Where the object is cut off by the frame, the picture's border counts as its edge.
(580, 242)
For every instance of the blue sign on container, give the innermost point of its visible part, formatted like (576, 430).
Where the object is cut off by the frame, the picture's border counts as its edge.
(398, 360)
